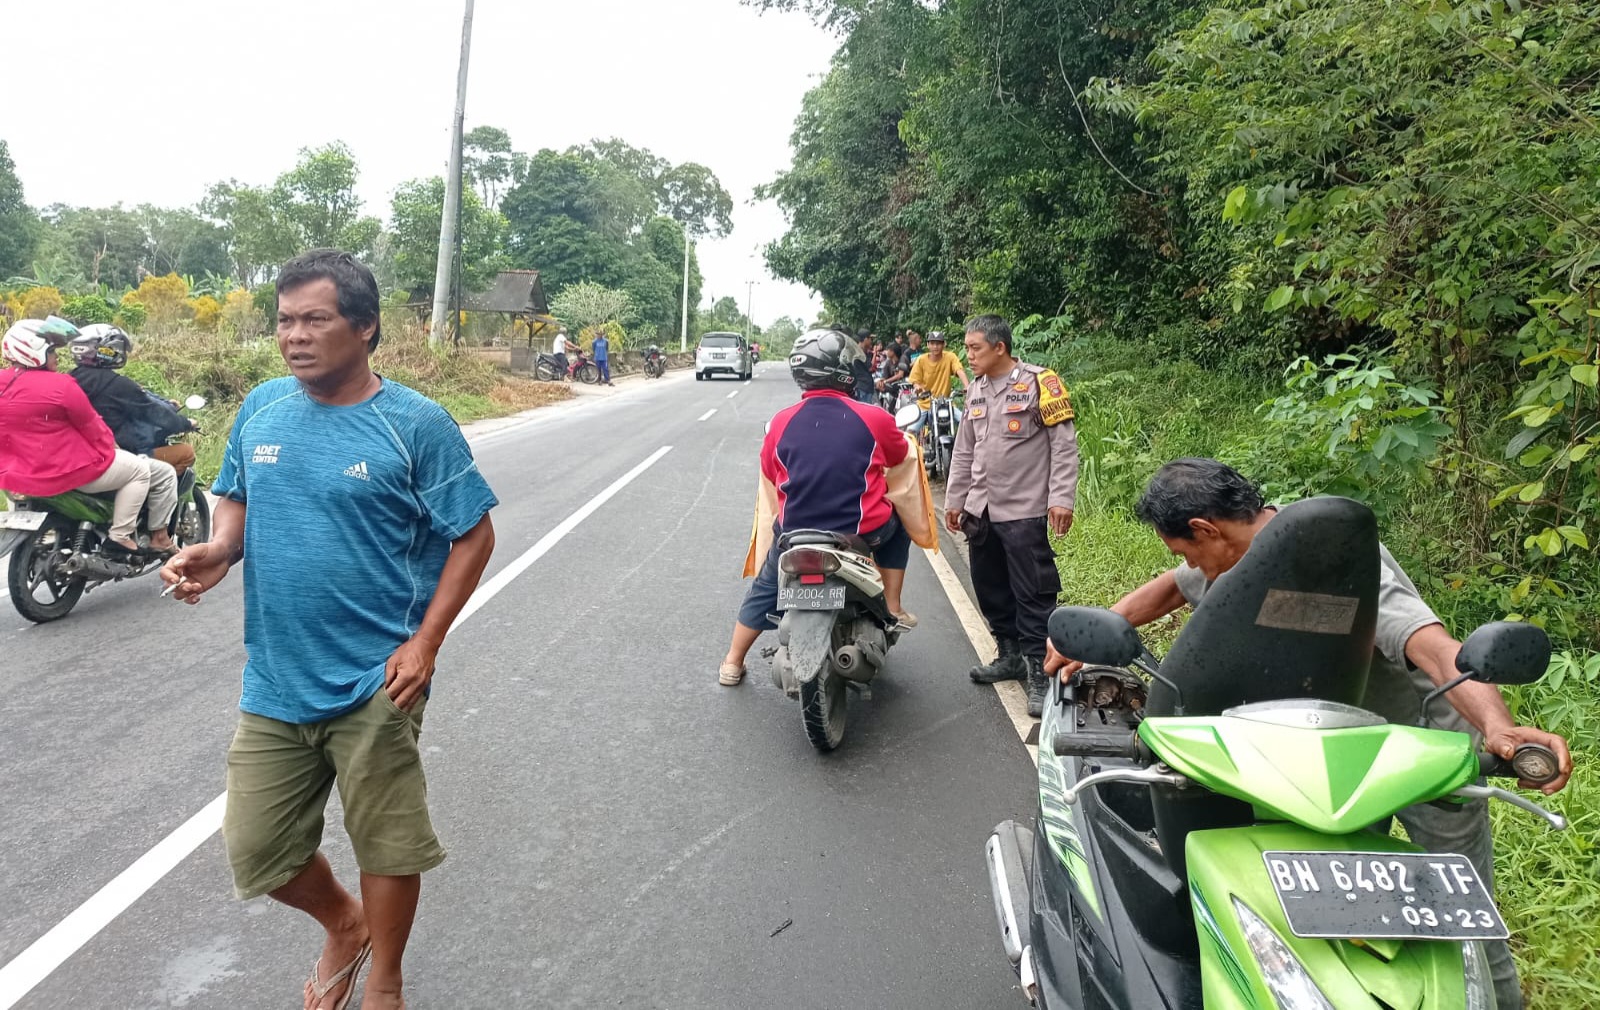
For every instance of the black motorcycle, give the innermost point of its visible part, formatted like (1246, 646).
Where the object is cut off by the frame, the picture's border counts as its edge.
(655, 363)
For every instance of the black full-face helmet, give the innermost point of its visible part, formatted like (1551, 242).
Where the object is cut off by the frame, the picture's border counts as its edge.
(822, 359)
(102, 345)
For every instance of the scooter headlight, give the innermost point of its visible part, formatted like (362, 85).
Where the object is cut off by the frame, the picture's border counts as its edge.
(1287, 979)
(1480, 984)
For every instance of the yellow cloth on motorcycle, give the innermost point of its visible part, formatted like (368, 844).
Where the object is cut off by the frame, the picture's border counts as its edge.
(908, 491)
(1055, 405)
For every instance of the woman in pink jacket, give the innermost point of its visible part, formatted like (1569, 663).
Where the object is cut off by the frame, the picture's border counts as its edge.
(52, 440)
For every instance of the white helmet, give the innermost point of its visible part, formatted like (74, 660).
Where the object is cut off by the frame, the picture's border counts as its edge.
(30, 341)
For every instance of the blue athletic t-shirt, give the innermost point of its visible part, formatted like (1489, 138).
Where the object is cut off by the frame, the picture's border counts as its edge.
(350, 513)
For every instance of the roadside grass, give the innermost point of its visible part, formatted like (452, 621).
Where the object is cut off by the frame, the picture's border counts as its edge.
(223, 369)
(1136, 410)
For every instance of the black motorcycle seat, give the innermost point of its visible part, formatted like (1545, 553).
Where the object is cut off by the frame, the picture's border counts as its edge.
(823, 538)
(1295, 618)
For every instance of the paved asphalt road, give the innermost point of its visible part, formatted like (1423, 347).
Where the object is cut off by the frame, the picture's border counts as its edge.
(622, 831)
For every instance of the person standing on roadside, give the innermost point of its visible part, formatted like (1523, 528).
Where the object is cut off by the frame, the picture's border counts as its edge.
(1013, 482)
(602, 356)
(362, 522)
(913, 348)
(863, 367)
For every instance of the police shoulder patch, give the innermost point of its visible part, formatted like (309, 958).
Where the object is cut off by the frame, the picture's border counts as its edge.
(1055, 405)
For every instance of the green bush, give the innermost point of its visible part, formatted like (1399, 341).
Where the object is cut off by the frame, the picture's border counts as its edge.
(84, 310)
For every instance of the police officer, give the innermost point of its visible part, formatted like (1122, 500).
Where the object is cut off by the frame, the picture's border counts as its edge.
(1013, 480)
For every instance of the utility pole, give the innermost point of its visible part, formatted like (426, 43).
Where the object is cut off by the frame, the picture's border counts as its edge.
(452, 193)
(749, 294)
(683, 335)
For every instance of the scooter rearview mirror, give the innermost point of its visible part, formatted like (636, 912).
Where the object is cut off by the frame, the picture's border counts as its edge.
(1505, 652)
(1093, 635)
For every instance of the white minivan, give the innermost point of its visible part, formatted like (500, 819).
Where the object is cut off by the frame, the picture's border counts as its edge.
(723, 353)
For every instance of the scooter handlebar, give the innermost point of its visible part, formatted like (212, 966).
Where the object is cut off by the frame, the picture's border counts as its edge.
(1124, 744)
(1532, 762)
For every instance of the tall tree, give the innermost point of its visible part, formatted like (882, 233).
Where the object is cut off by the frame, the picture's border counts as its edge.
(318, 200)
(417, 208)
(95, 245)
(19, 226)
(488, 162)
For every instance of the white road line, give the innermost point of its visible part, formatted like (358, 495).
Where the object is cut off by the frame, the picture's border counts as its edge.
(707, 414)
(1012, 694)
(47, 953)
(733, 394)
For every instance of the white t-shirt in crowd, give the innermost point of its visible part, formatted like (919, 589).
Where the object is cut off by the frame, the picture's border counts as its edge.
(560, 344)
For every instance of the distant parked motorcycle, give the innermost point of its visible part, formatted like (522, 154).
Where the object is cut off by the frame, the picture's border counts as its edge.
(548, 368)
(61, 545)
(655, 363)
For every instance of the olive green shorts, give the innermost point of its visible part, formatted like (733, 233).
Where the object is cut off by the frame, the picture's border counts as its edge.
(279, 777)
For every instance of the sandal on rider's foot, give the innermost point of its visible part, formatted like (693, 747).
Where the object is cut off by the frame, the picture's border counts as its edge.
(321, 987)
(170, 548)
(730, 674)
(907, 619)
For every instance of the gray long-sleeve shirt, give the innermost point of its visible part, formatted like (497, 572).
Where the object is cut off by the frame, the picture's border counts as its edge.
(1006, 459)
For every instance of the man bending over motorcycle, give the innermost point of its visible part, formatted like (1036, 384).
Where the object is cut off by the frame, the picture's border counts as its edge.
(826, 455)
(1208, 513)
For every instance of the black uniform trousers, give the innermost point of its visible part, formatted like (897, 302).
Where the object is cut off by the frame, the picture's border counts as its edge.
(1014, 574)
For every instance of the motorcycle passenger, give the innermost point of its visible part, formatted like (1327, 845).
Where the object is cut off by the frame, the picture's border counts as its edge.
(826, 455)
(140, 421)
(51, 438)
(932, 375)
(1207, 513)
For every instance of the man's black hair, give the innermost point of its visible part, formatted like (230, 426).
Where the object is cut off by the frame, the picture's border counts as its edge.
(1195, 488)
(995, 330)
(357, 288)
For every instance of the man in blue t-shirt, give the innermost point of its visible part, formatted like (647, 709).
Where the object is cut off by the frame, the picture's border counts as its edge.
(602, 356)
(363, 525)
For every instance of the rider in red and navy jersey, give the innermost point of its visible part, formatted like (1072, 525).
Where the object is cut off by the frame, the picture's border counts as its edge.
(827, 456)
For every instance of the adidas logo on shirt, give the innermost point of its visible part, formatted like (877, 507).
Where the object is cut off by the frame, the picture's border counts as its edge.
(359, 471)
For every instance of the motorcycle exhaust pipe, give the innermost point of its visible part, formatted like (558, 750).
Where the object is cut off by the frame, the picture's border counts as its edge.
(859, 661)
(99, 568)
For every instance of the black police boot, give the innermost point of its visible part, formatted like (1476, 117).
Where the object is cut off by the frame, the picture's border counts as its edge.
(1038, 685)
(1006, 666)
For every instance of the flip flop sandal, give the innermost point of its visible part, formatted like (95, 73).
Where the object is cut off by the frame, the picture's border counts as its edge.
(320, 989)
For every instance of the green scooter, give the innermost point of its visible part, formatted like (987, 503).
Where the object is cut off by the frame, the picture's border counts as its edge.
(1204, 835)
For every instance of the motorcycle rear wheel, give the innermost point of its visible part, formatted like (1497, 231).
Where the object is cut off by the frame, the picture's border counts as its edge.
(27, 576)
(822, 709)
(545, 372)
(589, 374)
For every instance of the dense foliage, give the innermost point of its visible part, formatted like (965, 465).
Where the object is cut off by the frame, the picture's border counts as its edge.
(1353, 245)
(605, 213)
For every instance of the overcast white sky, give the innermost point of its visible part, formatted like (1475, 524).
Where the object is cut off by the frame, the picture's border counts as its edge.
(106, 101)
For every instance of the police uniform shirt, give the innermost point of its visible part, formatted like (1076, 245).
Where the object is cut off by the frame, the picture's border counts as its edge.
(1016, 453)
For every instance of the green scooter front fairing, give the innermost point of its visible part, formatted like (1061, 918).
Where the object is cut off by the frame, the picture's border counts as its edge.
(1331, 783)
